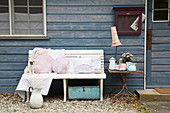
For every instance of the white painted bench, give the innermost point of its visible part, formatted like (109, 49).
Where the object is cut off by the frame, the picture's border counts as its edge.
(75, 54)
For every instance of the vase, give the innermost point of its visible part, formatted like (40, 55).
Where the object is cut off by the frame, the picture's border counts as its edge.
(36, 99)
(131, 66)
(122, 67)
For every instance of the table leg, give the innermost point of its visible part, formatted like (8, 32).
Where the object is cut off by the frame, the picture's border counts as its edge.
(129, 91)
(122, 82)
(124, 86)
(115, 87)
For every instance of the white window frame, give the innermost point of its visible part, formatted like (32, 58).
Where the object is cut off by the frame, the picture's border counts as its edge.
(12, 36)
(160, 20)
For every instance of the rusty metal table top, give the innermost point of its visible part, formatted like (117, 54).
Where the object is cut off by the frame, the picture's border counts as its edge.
(117, 71)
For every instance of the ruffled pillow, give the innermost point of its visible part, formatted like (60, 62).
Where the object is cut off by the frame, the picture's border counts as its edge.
(60, 65)
(43, 64)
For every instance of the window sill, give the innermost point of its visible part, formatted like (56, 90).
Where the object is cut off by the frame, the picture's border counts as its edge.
(24, 37)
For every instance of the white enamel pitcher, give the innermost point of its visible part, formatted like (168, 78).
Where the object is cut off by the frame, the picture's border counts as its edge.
(36, 99)
(112, 64)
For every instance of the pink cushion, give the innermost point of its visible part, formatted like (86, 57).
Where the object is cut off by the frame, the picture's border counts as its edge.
(43, 64)
(60, 65)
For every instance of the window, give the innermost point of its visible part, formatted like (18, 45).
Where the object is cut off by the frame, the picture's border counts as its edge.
(160, 10)
(22, 18)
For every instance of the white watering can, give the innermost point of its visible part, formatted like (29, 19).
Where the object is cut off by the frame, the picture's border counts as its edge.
(112, 64)
(36, 99)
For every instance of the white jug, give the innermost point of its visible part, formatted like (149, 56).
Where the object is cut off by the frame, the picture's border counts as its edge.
(112, 65)
(36, 99)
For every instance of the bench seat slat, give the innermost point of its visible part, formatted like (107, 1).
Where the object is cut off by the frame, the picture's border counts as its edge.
(77, 76)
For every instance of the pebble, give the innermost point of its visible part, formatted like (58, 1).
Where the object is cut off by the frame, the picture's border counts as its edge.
(11, 102)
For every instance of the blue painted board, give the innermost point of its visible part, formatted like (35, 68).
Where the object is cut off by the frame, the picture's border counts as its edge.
(108, 88)
(95, 2)
(80, 9)
(79, 18)
(86, 34)
(161, 33)
(83, 92)
(72, 42)
(107, 50)
(10, 74)
(10, 89)
(159, 47)
(160, 26)
(161, 39)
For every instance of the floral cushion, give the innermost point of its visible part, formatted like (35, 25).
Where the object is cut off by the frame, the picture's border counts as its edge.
(60, 65)
(43, 64)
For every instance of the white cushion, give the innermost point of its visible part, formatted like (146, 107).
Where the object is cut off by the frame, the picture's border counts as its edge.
(83, 65)
(95, 61)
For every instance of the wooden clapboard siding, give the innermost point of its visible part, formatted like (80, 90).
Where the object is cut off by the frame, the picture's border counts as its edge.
(157, 80)
(10, 89)
(160, 63)
(70, 42)
(10, 74)
(108, 50)
(95, 2)
(161, 39)
(108, 88)
(160, 54)
(79, 25)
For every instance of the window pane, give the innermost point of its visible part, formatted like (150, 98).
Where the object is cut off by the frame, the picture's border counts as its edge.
(37, 31)
(4, 28)
(4, 19)
(158, 4)
(3, 2)
(21, 10)
(21, 32)
(3, 9)
(21, 25)
(35, 2)
(35, 10)
(20, 2)
(36, 25)
(21, 14)
(161, 15)
(36, 14)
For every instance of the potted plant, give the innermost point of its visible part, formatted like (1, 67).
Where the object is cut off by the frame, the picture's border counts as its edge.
(127, 57)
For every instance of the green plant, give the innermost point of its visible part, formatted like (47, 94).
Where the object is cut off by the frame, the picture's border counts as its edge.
(144, 111)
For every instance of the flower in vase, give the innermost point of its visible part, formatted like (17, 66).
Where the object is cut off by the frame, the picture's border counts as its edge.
(127, 57)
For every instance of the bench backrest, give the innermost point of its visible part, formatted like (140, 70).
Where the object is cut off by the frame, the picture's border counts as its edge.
(76, 53)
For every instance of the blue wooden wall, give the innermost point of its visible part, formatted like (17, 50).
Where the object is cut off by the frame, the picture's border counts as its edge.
(75, 24)
(159, 58)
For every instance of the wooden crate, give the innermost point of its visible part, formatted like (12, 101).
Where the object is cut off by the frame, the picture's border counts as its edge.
(83, 92)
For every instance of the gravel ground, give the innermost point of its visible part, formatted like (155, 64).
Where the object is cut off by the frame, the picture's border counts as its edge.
(11, 102)
(158, 106)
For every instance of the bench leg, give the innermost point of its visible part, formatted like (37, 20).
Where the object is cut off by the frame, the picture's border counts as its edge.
(65, 89)
(101, 89)
(28, 96)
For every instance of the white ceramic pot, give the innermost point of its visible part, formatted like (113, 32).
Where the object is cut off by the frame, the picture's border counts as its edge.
(36, 99)
(112, 64)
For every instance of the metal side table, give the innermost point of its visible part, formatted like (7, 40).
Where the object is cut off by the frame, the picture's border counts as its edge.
(123, 79)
